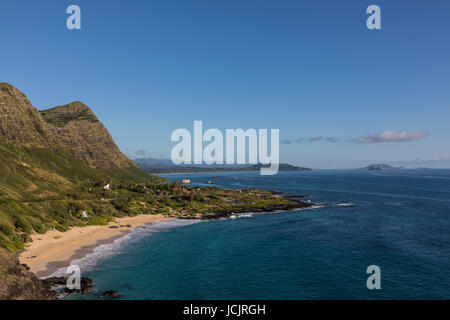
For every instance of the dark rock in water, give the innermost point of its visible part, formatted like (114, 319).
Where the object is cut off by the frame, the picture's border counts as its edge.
(110, 294)
(296, 196)
(275, 192)
(59, 284)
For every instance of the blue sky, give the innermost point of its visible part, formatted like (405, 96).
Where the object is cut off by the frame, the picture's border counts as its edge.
(310, 68)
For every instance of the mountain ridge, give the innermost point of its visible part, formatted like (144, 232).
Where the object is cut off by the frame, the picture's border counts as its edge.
(61, 115)
(71, 128)
(53, 163)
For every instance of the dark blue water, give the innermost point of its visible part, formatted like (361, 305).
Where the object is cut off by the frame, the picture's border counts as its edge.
(400, 221)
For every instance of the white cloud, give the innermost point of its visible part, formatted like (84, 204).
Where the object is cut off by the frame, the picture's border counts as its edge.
(392, 136)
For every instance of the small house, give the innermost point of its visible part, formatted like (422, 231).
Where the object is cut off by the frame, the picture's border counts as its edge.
(83, 214)
(186, 181)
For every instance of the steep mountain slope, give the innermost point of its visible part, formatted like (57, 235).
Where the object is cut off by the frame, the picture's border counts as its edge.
(72, 129)
(17, 283)
(80, 133)
(53, 164)
(20, 122)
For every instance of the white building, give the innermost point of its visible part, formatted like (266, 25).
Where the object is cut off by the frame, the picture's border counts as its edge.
(83, 214)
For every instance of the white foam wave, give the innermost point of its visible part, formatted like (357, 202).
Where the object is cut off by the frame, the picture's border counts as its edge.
(104, 251)
(241, 215)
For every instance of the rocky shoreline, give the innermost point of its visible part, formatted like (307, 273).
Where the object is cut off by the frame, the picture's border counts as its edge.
(219, 214)
(18, 283)
(290, 203)
(56, 287)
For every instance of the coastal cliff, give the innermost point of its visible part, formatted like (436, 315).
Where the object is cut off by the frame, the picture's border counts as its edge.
(71, 128)
(17, 283)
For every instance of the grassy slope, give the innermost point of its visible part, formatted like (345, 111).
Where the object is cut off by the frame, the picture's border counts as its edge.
(40, 190)
(60, 116)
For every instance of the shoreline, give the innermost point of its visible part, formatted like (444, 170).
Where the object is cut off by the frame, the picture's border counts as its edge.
(54, 250)
(218, 171)
(159, 173)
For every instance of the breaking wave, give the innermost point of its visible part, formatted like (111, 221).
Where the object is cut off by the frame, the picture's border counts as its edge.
(115, 247)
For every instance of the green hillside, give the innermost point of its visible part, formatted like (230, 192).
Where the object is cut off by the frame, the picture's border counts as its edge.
(40, 189)
(54, 165)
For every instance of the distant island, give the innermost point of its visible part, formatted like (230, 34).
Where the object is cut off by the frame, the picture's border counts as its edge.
(378, 166)
(166, 166)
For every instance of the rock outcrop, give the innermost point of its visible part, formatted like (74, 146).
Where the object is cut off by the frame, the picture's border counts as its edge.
(59, 284)
(20, 122)
(110, 294)
(17, 283)
(79, 132)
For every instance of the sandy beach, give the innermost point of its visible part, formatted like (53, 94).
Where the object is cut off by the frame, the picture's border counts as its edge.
(54, 249)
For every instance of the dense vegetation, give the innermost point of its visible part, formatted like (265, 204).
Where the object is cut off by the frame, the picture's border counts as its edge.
(40, 190)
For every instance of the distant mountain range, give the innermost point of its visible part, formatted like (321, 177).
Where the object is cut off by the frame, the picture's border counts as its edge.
(166, 166)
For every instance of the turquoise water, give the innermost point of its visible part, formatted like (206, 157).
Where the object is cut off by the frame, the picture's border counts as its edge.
(400, 221)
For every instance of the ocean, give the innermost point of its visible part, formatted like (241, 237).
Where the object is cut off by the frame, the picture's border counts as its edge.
(398, 220)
